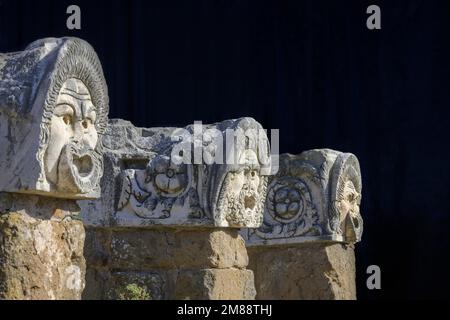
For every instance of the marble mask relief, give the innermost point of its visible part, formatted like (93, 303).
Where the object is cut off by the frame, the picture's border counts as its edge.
(243, 192)
(71, 162)
(346, 198)
(53, 113)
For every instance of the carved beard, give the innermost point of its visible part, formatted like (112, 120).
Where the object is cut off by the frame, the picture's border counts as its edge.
(245, 209)
(78, 169)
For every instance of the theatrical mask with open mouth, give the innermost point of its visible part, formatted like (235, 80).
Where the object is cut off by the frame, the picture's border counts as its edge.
(71, 162)
(243, 192)
(54, 103)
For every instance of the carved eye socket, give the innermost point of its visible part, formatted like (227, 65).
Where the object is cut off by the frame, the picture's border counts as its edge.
(351, 197)
(253, 173)
(86, 123)
(67, 119)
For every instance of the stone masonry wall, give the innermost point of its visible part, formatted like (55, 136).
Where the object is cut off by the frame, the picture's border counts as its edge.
(168, 264)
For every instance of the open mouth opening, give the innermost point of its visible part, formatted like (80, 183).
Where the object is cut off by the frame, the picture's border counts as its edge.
(249, 202)
(83, 164)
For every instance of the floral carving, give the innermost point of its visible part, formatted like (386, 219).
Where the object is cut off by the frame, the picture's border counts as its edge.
(290, 210)
(170, 180)
(162, 187)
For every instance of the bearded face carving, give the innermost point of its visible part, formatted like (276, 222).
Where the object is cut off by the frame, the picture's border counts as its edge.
(243, 192)
(71, 162)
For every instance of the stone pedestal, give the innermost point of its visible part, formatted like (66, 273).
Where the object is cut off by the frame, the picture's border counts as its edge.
(304, 248)
(304, 272)
(168, 264)
(41, 248)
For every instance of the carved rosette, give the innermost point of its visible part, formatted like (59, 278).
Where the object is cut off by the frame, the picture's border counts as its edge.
(314, 197)
(290, 207)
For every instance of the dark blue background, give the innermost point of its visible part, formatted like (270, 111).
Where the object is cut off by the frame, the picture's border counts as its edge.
(309, 68)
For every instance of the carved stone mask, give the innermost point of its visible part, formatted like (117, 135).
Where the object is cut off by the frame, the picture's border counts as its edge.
(241, 194)
(350, 218)
(348, 203)
(53, 112)
(71, 162)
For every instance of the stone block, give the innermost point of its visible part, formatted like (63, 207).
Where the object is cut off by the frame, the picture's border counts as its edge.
(41, 248)
(98, 282)
(313, 271)
(177, 249)
(97, 248)
(215, 284)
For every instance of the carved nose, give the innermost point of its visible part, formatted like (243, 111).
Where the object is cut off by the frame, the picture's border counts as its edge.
(78, 132)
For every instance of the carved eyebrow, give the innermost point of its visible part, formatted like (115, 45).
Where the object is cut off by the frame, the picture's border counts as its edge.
(67, 99)
(247, 165)
(76, 95)
(88, 110)
(91, 115)
(63, 109)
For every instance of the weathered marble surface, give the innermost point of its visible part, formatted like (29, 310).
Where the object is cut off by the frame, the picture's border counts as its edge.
(142, 187)
(314, 197)
(53, 111)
